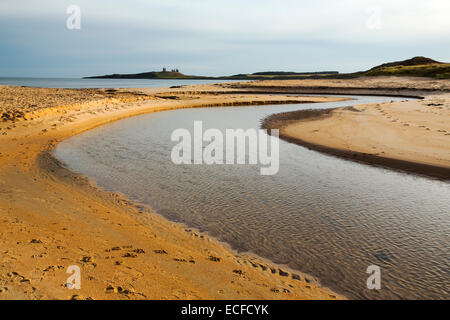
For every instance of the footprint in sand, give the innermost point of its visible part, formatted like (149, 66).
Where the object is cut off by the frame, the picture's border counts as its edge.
(17, 278)
(213, 258)
(88, 260)
(130, 255)
(263, 267)
(282, 273)
(238, 272)
(296, 277)
(278, 290)
(53, 268)
(121, 290)
(78, 297)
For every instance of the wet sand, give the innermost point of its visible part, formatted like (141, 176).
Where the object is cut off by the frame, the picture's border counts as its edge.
(412, 136)
(52, 218)
(387, 86)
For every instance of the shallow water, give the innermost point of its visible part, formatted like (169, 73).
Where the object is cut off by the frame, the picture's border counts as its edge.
(322, 215)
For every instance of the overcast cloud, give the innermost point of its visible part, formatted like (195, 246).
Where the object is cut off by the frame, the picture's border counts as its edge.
(214, 37)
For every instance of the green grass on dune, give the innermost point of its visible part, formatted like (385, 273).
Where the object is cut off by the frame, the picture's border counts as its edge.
(435, 70)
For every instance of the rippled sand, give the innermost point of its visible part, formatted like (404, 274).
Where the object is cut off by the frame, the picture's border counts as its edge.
(51, 218)
(413, 135)
(322, 215)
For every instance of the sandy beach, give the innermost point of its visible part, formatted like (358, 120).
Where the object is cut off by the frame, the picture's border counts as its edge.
(52, 218)
(395, 86)
(413, 135)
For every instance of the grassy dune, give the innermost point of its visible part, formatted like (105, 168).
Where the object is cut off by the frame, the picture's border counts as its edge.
(435, 70)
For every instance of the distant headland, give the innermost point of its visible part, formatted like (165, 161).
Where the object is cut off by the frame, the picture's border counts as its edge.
(176, 74)
(415, 67)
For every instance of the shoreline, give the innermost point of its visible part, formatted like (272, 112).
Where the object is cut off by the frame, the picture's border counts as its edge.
(53, 166)
(110, 234)
(297, 127)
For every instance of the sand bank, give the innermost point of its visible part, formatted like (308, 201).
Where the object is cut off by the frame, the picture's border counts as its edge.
(387, 86)
(51, 218)
(413, 136)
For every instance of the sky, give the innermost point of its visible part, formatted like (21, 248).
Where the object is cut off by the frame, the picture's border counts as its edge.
(216, 37)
